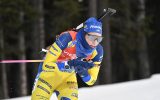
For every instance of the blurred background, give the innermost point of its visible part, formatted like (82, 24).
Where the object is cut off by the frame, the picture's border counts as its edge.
(131, 38)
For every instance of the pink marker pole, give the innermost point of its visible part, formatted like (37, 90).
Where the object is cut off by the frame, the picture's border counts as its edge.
(20, 61)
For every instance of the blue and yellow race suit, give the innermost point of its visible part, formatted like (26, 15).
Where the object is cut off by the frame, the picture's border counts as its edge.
(69, 45)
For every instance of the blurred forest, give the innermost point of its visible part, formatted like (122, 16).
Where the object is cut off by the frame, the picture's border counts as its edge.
(131, 38)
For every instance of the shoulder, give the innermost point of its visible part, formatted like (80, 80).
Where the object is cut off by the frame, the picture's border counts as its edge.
(65, 35)
(63, 40)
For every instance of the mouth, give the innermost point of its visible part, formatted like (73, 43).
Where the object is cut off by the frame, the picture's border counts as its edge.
(92, 46)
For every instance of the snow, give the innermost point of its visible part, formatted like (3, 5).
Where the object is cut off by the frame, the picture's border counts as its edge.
(146, 89)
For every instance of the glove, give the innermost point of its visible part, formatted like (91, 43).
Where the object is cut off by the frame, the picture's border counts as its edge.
(78, 62)
(64, 67)
(69, 66)
(82, 71)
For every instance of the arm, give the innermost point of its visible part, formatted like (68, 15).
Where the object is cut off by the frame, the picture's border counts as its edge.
(55, 51)
(92, 73)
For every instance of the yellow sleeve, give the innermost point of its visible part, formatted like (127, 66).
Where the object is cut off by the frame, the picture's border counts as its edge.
(93, 72)
(51, 57)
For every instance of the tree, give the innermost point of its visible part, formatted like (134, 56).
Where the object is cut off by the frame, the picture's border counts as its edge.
(4, 84)
(127, 44)
(23, 88)
(92, 8)
(142, 42)
(151, 9)
(38, 34)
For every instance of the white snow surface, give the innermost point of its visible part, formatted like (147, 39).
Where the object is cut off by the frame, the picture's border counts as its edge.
(146, 89)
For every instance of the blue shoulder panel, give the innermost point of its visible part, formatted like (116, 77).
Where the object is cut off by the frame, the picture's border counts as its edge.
(63, 40)
(99, 55)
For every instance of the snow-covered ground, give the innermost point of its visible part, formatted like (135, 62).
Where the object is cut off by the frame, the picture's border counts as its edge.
(146, 89)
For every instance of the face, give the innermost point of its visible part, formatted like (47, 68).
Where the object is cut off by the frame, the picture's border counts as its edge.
(93, 39)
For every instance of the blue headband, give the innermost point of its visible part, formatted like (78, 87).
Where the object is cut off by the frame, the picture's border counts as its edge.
(93, 25)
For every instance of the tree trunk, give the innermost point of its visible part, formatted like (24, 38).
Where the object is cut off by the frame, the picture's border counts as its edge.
(40, 24)
(39, 35)
(38, 38)
(92, 8)
(3, 68)
(106, 70)
(132, 65)
(107, 48)
(130, 59)
(142, 43)
(23, 74)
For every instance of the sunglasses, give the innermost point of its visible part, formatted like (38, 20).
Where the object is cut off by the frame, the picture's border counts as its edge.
(94, 37)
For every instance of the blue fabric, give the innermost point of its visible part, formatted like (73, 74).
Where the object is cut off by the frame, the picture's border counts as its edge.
(57, 92)
(40, 67)
(99, 56)
(87, 78)
(63, 40)
(82, 71)
(39, 70)
(61, 67)
(82, 47)
(93, 25)
(65, 98)
(78, 62)
(81, 67)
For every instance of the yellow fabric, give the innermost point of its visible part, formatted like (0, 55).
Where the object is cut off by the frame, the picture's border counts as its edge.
(93, 73)
(69, 44)
(52, 56)
(53, 49)
(94, 54)
(50, 81)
